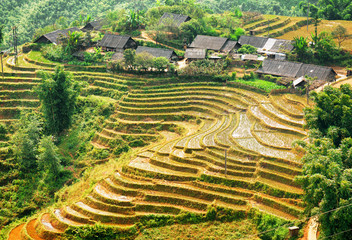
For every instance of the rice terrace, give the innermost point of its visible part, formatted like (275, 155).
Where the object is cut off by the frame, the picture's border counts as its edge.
(233, 150)
(175, 119)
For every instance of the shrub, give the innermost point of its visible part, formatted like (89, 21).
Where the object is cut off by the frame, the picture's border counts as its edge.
(247, 49)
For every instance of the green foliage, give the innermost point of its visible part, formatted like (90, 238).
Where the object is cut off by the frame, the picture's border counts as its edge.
(204, 68)
(3, 132)
(100, 232)
(340, 33)
(271, 227)
(58, 94)
(56, 53)
(129, 57)
(26, 139)
(247, 49)
(335, 10)
(326, 176)
(261, 84)
(48, 158)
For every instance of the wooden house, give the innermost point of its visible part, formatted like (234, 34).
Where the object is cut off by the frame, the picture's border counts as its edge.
(295, 70)
(172, 19)
(95, 25)
(257, 42)
(111, 42)
(54, 37)
(193, 54)
(209, 42)
(158, 52)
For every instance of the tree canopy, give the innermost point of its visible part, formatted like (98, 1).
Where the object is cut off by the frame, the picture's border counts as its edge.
(327, 164)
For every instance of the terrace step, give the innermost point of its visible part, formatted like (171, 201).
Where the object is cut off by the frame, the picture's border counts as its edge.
(105, 195)
(104, 216)
(166, 162)
(29, 231)
(15, 233)
(142, 167)
(61, 222)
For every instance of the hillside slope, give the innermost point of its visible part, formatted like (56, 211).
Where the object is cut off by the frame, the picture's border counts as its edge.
(182, 173)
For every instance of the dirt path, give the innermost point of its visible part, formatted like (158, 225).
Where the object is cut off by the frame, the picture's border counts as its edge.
(145, 37)
(310, 232)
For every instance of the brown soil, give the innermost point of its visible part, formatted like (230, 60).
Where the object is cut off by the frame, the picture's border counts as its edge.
(15, 234)
(31, 230)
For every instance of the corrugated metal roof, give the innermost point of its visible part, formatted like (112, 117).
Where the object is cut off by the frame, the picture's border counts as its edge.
(320, 72)
(257, 42)
(280, 68)
(195, 53)
(96, 25)
(269, 44)
(296, 70)
(282, 45)
(229, 46)
(173, 19)
(208, 42)
(156, 52)
(114, 41)
(54, 36)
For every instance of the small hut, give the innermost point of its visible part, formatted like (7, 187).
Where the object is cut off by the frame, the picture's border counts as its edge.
(209, 42)
(172, 19)
(158, 52)
(95, 25)
(54, 37)
(193, 54)
(111, 42)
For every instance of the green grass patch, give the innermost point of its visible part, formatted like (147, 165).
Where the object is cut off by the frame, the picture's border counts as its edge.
(261, 84)
(38, 56)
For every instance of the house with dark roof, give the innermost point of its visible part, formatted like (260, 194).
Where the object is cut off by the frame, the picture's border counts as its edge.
(112, 42)
(158, 52)
(193, 54)
(95, 25)
(209, 42)
(257, 42)
(230, 46)
(172, 19)
(54, 37)
(295, 70)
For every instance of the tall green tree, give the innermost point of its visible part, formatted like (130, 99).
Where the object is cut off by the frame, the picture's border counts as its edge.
(58, 94)
(327, 176)
(48, 157)
(26, 139)
(340, 33)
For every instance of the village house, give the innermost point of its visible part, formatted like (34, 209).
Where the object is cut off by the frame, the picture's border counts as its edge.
(295, 70)
(172, 19)
(115, 43)
(54, 37)
(158, 52)
(93, 26)
(193, 54)
(209, 42)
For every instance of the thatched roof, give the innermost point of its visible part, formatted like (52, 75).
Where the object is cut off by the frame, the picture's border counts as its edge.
(54, 36)
(209, 42)
(195, 53)
(257, 42)
(173, 19)
(114, 41)
(296, 70)
(280, 68)
(229, 46)
(156, 52)
(320, 72)
(94, 25)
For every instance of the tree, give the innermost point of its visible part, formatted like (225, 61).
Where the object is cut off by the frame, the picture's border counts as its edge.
(58, 95)
(2, 34)
(144, 60)
(247, 49)
(48, 157)
(327, 177)
(161, 63)
(129, 56)
(301, 49)
(25, 140)
(340, 33)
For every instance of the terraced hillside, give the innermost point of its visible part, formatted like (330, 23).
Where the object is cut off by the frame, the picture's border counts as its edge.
(275, 26)
(238, 156)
